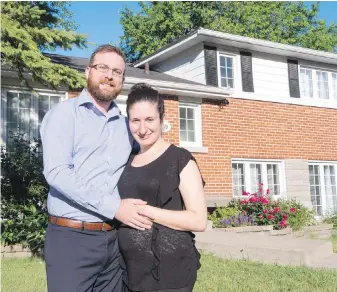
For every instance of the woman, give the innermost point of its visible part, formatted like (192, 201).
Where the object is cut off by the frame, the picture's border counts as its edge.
(163, 258)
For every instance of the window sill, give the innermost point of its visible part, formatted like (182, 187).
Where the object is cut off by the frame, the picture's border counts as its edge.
(195, 149)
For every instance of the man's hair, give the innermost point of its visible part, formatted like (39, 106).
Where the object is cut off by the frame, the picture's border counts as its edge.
(106, 49)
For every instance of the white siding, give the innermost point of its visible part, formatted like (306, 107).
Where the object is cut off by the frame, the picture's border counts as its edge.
(270, 73)
(189, 64)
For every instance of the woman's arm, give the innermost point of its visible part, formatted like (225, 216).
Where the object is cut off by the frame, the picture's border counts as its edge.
(194, 218)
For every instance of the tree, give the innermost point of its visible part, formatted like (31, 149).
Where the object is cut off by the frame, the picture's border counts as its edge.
(28, 29)
(159, 23)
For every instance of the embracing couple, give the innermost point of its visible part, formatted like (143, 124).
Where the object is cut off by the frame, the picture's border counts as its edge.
(122, 201)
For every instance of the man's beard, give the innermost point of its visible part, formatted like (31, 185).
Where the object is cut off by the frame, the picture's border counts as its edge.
(102, 95)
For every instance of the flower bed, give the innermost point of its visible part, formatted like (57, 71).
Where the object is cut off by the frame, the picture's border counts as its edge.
(260, 209)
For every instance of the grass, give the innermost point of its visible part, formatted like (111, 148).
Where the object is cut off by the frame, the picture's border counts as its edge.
(215, 275)
(334, 243)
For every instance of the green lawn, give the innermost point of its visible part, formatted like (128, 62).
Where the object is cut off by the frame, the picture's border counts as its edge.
(26, 275)
(334, 242)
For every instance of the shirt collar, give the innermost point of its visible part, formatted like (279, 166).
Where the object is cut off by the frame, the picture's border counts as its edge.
(85, 98)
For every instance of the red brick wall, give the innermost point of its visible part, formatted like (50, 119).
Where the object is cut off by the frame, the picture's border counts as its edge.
(260, 130)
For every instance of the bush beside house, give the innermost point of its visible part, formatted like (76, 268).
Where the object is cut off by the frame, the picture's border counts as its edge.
(24, 195)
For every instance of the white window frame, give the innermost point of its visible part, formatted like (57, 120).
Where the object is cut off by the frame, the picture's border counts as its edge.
(263, 162)
(332, 93)
(321, 164)
(197, 124)
(33, 110)
(235, 69)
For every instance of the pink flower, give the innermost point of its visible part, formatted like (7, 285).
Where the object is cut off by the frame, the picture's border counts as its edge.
(244, 193)
(292, 210)
(277, 209)
(285, 216)
(270, 216)
(265, 211)
(243, 202)
(253, 200)
(283, 224)
(244, 212)
(261, 216)
(261, 184)
(268, 191)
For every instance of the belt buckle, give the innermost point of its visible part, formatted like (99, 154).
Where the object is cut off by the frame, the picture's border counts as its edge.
(103, 228)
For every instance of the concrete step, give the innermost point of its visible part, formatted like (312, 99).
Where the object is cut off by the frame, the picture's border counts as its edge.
(267, 249)
(329, 262)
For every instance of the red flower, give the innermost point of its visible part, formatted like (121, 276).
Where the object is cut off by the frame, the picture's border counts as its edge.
(277, 209)
(270, 216)
(261, 184)
(244, 193)
(243, 202)
(253, 200)
(264, 201)
(283, 224)
(292, 210)
(268, 191)
(265, 211)
(285, 217)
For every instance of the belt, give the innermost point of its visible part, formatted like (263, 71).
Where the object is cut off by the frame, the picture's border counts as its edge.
(92, 226)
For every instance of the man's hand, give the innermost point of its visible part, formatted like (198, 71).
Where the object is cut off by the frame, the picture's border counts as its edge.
(128, 214)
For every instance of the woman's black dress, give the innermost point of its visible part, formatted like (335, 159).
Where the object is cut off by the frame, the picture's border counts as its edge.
(159, 258)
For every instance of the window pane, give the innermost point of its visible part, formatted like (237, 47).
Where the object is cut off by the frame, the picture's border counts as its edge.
(183, 136)
(43, 102)
(12, 115)
(182, 112)
(41, 115)
(223, 72)
(255, 176)
(322, 85)
(191, 136)
(334, 85)
(230, 62)
(229, 73)
(12, 129)
(183, 125)
(224, 82)
(306, 82)
(222, 61)
(24, 100)
(190, 113)
(12, 100)
(230, 83)
(54, 100)
(238, 180)
(190, 125)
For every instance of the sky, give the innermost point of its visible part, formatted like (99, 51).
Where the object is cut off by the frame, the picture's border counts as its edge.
(100, 21)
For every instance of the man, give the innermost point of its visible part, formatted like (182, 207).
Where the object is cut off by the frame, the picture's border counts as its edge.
(86, 144)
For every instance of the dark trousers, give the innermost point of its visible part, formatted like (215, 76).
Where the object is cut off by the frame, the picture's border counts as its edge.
(185, 289)
(82, 261)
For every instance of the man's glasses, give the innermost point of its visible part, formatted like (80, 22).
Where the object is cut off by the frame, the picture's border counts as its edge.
(105, 69)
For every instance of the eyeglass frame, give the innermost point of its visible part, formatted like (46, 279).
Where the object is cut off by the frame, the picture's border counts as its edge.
(107, 69)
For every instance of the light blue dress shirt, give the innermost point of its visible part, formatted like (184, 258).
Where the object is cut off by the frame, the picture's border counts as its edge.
(84, 154)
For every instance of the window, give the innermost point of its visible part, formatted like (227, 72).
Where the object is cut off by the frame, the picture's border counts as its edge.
(190, 124)
(318, 84)
(322, 178)
(23, 113)
(226, 71)
(334, 85)
(248, 175)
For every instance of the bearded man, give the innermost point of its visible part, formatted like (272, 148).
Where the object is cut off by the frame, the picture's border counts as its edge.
(86, 144)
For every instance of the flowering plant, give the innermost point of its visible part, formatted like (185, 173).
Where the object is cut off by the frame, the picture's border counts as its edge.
(238, 220)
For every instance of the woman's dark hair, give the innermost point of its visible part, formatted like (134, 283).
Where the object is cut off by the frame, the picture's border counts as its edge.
(144, 92)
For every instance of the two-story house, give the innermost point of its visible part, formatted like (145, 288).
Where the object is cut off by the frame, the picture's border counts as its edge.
(251, 111)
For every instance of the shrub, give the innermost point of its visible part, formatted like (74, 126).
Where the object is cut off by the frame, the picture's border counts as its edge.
(331, 220)
(221, 213)
(24, 194)
(299, 215)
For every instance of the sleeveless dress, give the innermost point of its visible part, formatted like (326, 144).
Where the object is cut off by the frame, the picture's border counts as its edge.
(159, 258)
